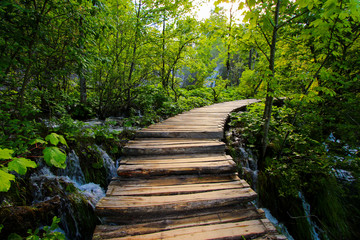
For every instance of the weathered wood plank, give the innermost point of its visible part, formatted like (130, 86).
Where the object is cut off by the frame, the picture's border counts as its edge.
(179, 127)
(171, 189)
(224, 215)
(140, 205)
(175, 180)
(232, 230)
(163, 146)
(177, 168)
(176, 159)
(180, 134)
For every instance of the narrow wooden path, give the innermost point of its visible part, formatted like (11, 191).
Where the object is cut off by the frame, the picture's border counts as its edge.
(177, 183)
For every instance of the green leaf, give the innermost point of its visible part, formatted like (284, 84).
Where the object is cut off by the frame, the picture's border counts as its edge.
(53, 138)
(6, 153)
(53, 156)
(62, 140)
(37, 141)
(5, 179)
(20, 165)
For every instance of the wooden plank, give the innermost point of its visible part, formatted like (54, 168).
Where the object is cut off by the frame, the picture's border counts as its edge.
(127, 219)
(232, 230)
(175, 180)
(225, 215)
(176, 159)
(166, 141)
(175, 127)
(171, 190)
(186, 123)
(173, 146)
(218, 134)
(136, 205)
(177, 168)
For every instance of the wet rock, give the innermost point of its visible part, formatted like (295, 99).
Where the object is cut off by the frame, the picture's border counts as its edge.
(22, 218)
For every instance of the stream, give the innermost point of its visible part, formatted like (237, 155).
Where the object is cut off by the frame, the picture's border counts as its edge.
(78, 198)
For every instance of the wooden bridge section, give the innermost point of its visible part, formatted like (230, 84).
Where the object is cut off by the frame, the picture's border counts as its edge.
(177, 183)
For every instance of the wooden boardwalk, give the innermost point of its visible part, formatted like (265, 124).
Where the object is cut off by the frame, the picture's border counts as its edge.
(177, 183)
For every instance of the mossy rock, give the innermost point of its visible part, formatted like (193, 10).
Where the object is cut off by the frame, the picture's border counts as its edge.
(21, 218)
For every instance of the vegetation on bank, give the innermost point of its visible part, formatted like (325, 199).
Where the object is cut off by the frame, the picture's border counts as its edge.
(302, 160)
(63, 62)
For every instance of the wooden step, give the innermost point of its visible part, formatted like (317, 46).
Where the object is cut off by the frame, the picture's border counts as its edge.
(209, 217)
(142, 206)
(169, 146)
(166, 187)
(233, 230)
(183, 133)
(176, 164)
(175, 180)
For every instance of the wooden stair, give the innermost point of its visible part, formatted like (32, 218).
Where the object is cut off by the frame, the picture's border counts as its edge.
(177, 183)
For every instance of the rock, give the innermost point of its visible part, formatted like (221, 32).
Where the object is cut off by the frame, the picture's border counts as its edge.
(21, 218)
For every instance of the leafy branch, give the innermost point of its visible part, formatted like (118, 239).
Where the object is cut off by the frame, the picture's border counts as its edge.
(9, 165)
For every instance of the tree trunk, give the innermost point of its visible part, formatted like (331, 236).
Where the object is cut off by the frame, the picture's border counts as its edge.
(270, 90)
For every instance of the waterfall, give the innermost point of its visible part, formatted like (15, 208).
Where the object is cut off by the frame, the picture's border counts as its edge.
(313, 226)
(108, 162)
(249, 165)
(277, 224)
(73, 168)
(77, 198)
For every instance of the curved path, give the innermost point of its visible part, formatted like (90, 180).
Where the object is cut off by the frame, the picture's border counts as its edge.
(177, 183)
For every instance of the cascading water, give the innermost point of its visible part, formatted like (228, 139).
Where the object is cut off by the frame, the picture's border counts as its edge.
(77, 198)
(313, 227)
(73, 168)
(277, 224)
(107, 162)
(249, 166)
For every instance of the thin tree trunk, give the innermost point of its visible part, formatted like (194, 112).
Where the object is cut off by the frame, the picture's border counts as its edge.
(270, 90)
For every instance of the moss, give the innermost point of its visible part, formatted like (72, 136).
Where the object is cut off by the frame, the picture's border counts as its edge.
(21, 218)
(80, 217)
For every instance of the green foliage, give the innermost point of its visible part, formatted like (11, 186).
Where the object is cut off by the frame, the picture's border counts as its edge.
(9, 163)
(299, 164)
(5, 180)
(50, 232)
(47, 233)
(53, 156)
(54, 139)
(20, 165)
